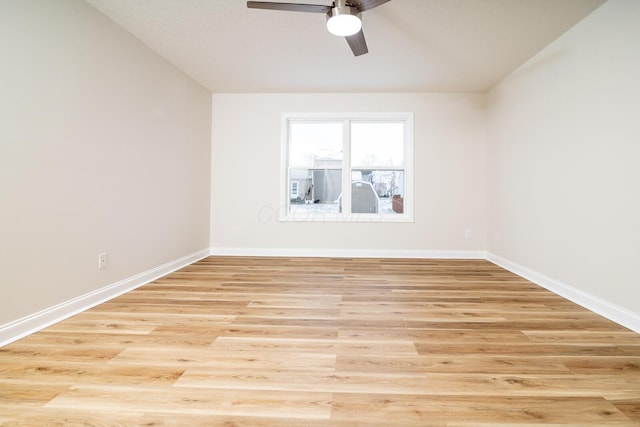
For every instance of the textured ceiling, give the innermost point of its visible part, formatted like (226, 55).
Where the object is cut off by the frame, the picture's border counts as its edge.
(414, 45)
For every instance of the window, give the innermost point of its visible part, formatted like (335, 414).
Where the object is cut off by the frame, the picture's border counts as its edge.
(352, 167)
(294, 189)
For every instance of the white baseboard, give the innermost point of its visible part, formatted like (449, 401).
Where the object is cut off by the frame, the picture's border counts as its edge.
(349, 253)
(604, 308)
(27, 325)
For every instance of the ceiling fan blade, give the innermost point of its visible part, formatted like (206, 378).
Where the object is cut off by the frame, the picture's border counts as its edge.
(295, 7)
(363, 5)
(357, 43)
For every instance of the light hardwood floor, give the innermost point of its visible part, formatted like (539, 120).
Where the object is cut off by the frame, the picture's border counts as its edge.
(327, 342)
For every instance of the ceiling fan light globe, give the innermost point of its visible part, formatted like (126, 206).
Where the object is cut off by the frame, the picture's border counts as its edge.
(343, 21)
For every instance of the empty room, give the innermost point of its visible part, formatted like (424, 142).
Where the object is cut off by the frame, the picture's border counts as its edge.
(350, 213)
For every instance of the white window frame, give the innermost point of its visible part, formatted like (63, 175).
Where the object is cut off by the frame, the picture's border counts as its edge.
(346, 216)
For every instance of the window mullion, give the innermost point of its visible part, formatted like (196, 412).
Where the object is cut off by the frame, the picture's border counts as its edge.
(346, 167)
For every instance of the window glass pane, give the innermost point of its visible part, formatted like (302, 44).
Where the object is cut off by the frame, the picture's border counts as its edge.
(315, 145)
(377, 191)
(377, 144)
(319, 190)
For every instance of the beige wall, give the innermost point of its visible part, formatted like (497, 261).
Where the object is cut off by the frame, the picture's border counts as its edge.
(104, 147)
(564, 146)
(449, 176)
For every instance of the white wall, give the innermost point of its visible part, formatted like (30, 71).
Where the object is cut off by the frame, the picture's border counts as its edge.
(449, 176)
(104, 147)
(564, 147)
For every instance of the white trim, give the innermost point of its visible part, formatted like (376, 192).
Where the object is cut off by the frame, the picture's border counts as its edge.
(611, 311)
(348, 253)
(284, 168)
(27, 325)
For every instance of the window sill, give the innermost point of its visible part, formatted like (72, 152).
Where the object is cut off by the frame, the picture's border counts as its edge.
(337, 217)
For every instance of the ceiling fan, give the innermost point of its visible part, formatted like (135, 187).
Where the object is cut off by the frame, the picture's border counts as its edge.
(344, 17)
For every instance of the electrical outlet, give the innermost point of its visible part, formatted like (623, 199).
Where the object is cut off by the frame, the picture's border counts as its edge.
(468, 234)
(234, 232)
(102, 261)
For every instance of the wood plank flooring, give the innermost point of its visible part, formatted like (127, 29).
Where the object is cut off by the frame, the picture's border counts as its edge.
(327, 342)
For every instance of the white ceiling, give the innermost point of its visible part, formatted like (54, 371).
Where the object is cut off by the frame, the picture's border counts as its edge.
(414, 45)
